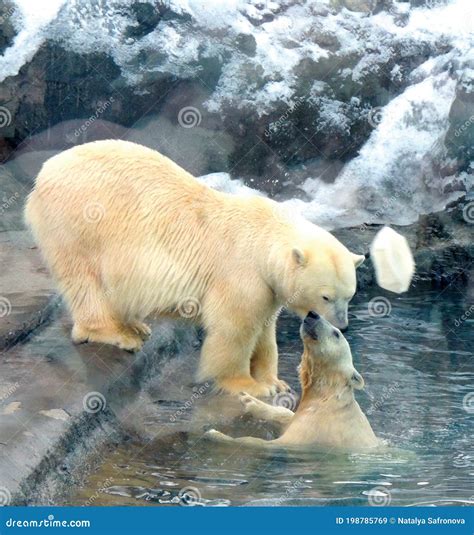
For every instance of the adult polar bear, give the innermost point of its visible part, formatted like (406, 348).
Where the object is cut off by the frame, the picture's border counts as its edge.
(128, 233)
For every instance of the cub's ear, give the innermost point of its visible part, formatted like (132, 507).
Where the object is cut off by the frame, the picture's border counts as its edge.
(298, 256)
(356, 380)
(358, 259)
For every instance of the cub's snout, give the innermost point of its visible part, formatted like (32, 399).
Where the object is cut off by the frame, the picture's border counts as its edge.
(308, 327)
(316, 327)
(326, 351)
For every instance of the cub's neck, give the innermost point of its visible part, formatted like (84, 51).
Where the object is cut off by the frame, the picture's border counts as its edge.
(323, 385)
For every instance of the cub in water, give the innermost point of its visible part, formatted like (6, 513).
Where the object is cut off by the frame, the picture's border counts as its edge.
(328, 414)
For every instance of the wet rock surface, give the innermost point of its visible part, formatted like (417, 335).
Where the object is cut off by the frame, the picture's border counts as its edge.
(27, 293)
(59, 402)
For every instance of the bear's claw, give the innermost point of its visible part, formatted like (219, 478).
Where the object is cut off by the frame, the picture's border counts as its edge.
(142, 329)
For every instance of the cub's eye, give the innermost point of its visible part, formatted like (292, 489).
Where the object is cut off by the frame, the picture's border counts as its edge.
(336, 334)
(325, 297)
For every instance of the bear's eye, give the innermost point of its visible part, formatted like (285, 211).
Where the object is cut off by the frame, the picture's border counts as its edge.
(336, 334)
(325, 297)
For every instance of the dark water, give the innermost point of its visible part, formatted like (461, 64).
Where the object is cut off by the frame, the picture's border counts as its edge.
(418, 365)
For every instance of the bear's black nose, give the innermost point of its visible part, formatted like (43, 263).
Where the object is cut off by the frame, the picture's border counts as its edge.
(313, 315)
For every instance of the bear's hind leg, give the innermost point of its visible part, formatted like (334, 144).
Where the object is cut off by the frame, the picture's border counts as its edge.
(264, 363)
(93, 318)
(113, 334)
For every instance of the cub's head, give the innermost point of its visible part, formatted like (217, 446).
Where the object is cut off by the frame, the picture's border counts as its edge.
(324, 279)
(327, 357)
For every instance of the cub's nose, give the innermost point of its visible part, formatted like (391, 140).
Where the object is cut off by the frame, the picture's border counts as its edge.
(309, 324)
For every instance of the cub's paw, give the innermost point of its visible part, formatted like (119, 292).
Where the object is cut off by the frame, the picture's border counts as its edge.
(217, 436)
(249, 402)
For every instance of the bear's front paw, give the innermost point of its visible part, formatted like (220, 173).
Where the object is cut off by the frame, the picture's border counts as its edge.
(141, 329)
(130, 343)
(235, 385)
(275, 385)
(281, 386)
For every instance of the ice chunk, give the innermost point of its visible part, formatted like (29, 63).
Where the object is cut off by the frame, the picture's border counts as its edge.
(393, 260)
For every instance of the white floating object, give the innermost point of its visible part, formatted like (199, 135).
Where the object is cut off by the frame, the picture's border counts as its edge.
(393, 260)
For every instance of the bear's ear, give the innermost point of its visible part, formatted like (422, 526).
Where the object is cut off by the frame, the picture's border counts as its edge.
(356, 380)
(358, 259)
(298, 256)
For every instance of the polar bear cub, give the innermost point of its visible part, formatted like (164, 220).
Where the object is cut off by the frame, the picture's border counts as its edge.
(129, 234)
(328, 414)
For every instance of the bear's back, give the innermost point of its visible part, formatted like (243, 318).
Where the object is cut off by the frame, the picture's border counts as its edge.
(109, 161)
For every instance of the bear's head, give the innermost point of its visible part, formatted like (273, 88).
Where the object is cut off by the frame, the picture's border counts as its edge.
(324, 278)
(327, 357)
